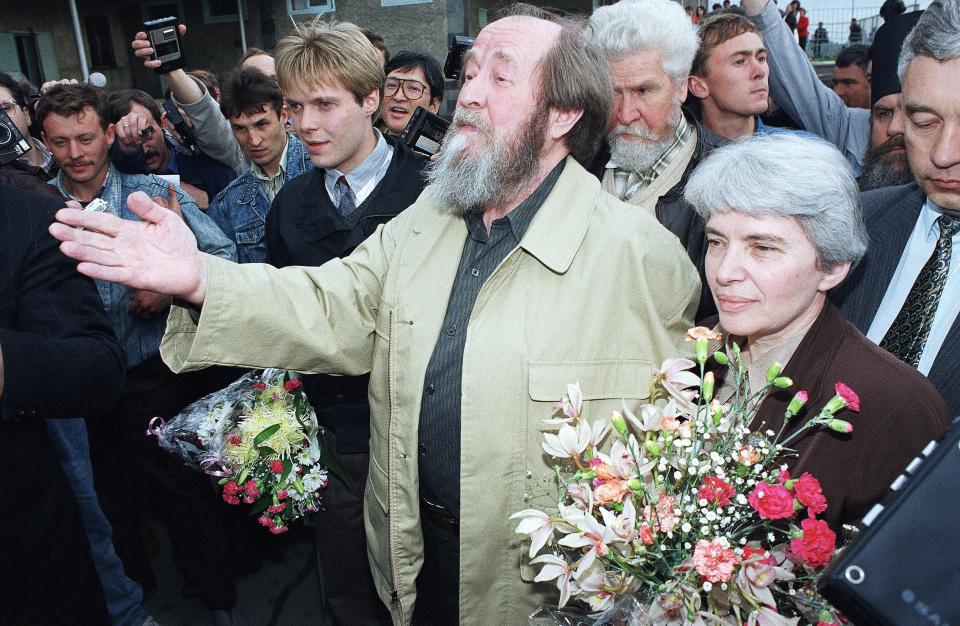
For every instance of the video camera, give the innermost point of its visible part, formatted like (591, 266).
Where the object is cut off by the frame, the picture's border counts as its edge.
(12, 142)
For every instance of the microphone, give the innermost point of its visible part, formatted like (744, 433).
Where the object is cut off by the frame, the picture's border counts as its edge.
(98, 80)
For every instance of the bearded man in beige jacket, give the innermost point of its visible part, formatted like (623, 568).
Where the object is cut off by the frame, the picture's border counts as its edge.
(511, 276)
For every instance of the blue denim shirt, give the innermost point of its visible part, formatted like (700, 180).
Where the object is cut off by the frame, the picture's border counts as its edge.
(241, 209)
(140, 336)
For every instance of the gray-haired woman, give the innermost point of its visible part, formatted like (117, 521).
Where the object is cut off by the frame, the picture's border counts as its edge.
(774, 250)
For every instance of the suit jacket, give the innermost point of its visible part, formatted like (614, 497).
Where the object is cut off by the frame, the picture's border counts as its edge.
(900, 412)
(890, 214)
(60, 359)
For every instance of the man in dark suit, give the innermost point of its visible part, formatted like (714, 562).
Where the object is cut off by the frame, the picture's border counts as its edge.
(905, 294)
(58, 358)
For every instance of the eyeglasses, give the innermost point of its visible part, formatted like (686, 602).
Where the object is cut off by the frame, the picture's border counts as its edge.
(6, 105)
(412, 89)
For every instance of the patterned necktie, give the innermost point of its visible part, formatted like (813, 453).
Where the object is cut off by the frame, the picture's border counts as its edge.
(346, 204)
(908, 333)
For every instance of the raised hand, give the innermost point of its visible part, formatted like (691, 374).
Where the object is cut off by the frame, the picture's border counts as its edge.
(157, 254)
(143, 50)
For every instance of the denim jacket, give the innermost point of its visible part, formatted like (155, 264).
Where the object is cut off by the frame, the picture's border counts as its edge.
(241, 209)
(140, 336)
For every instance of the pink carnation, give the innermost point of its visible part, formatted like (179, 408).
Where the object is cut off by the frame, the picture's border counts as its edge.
(714, 561)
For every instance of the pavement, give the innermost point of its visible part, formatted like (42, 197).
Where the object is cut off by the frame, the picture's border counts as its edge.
(284, 592)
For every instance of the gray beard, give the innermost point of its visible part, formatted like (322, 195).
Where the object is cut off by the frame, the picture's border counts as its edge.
(638, 155)
(466, 183)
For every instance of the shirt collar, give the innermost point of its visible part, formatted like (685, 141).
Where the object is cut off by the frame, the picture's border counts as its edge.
(928, 219)
(520, 217)
(60, 177)
(281, 170)
(367, 168)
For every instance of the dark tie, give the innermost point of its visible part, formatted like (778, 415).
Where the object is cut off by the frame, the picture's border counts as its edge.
(908, 333)
(346, 205)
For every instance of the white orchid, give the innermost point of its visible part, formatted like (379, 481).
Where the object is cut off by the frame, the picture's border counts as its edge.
(537, 524)
(590, 534)
(570, 405)
(624, 525)
(555, 568)
(677, 380)
(570, 441)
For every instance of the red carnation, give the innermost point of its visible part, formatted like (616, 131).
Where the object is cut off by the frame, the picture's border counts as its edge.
(266, 521)
(816, 545)
(290, 385)
(231, 487)
(276, 467)
(849, 396)
(765, 557)
(771, 501)
(282, 494)
(235, 440)
(250, 489)
(259, 386)
(279, 530)
(716, 490)
(808, 491)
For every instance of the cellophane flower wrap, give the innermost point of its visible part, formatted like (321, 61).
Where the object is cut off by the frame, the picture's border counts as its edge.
(679, 514)
(261, 436)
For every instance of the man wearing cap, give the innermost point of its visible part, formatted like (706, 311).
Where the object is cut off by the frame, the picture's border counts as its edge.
(794, 85)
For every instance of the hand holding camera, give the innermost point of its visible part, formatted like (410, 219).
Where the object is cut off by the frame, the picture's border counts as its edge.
(133, 130)
(160, 45)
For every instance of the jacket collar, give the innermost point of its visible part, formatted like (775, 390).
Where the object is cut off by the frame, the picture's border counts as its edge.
(557, 231)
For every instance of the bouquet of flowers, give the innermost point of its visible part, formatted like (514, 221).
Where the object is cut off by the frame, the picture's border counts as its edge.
(689, 517)
(260, 436)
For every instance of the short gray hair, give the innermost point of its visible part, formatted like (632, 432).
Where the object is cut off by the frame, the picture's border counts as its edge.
(786, 175)
(632, 26)
(936, 35)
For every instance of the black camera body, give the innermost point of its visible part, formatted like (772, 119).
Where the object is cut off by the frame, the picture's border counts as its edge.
(902, 568)
(424, 132)
(164, 36)
(458, 46)
(12, 142)
(176, 118)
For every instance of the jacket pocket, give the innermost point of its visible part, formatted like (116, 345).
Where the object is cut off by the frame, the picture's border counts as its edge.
(599, 380)
(381, 406)
(605, 384)
(251, 234)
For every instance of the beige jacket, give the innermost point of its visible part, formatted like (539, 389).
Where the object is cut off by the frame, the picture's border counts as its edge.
(597, 292)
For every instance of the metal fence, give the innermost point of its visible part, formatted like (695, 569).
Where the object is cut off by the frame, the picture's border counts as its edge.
(837, 23)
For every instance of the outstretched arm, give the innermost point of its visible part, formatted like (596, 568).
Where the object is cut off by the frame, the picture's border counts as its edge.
(794, 85)
(158, 253)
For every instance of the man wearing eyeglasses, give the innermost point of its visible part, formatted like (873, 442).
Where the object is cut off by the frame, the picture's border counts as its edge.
(413, 79)
(34, 168)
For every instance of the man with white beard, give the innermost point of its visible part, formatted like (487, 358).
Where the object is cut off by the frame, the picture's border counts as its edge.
(512, 276)
(651, 145)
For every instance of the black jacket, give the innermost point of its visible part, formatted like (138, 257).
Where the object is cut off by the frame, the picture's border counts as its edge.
(305, 228)
(60, 359)
(674, 212)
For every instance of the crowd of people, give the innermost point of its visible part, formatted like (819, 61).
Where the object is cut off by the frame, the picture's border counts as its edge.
(604, 185)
